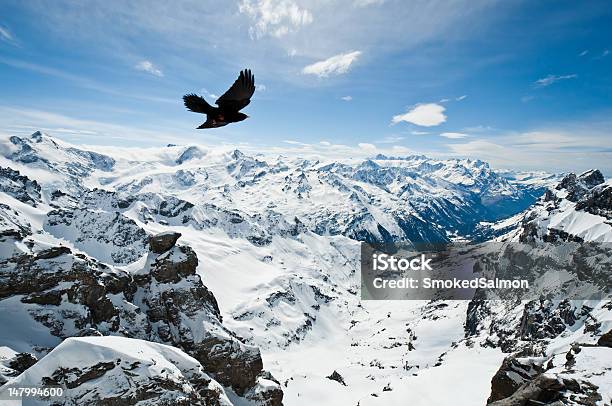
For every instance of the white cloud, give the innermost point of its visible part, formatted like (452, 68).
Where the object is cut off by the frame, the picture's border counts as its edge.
(550, 79)
(398, 149)
(347, 98)
(274, 17)
(324, 150)
(197, 31)
(366, 3)
(336, 65)
(293, 142)
(147, 66)
(454, 136)
(6, 35)
(461, 97)
(583, 53)
(82, 81)
(575, 149)
(210, 94)
(415, 132)
(90, 131)
(260, 88)
(390, 139)
(425, 115)
(366, 146)
(444, 100)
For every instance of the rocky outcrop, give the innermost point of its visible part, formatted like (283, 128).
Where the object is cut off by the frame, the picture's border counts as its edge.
(165, 302)
(518, 384)
(605, 340)
(598, 201)
(335, 376)
(560, 216)
(123, 372)
(513, 373)
(108, 236)
(162, 242)
(20, 187)
(578, 186)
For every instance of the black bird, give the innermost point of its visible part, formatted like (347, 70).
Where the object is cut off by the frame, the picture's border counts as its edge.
(230, 103)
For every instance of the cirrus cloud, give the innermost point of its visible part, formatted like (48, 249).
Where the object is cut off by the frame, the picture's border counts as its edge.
(550, 79)
(147, 66)
(5, 35)
(335, 65)
(454, 136)
(424, 115)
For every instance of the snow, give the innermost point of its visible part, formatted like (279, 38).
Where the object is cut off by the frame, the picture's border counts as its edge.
(296, 296)
(146, 361)
(20, 332)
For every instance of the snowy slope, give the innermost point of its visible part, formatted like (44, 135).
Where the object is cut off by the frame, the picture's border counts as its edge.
(276, 241)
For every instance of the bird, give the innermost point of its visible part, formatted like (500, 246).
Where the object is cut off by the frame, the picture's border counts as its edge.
(237, 97)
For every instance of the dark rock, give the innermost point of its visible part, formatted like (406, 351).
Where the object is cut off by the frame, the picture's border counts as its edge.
(174, 265)
(167, 304)
(161, 243)
(598, 202)
(549, 196)
(575, 188)
(22, 361)
(605, 340)
(541, 319)
(592, 178)
(511, 375)
(335, 376)
(20, 187)
(53, 252)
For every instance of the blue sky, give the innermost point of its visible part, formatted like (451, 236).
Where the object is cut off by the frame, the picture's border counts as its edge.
(524, 85)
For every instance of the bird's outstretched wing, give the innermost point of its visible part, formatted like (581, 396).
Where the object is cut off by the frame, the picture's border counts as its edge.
(239, 95)
(196, 104)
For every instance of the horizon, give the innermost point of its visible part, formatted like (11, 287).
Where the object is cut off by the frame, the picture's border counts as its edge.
(520, 86)
(349, 155)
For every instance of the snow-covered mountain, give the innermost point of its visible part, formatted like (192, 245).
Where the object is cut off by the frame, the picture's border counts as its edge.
(261, 293)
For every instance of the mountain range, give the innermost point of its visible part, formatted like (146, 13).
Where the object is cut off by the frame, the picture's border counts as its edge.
(204, 275)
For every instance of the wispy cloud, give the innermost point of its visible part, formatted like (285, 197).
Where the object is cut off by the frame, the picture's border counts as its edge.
(6, 35)
(454, 136)
(425, 115)
(463, 97)
(327, 150)
(78, 80)
(274, 17)
(366, 3)
(147, 66)
(211, 95)
(391, 139)
(582, 147)
(347, 98)
(335, 65)
(91, 131)
(583, 53)
(550, 79)
(367, 146)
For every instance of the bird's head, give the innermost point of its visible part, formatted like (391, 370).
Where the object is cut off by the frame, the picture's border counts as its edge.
(241, 116)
